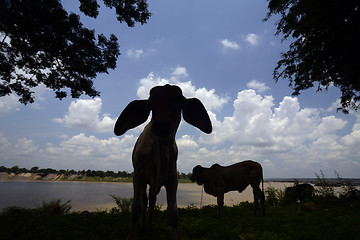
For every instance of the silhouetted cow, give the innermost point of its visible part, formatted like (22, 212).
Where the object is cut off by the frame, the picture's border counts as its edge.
(219, 180)
(155, 152)
(300, 192)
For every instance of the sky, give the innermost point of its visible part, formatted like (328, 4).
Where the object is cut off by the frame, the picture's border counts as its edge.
(221, 53)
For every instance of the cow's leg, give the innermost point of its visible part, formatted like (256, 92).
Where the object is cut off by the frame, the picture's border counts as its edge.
(171, 211)
(138, 207)
(262, 202)
(152, 200)
(257, 195)
(220, 202)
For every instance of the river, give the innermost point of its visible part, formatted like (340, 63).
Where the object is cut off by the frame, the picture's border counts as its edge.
(96, 196)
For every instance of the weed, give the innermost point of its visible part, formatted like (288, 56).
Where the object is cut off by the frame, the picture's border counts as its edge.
(274, 196)
(332, 220)
(325, 189)
(349, 190)
(124, 204)
(55, 207)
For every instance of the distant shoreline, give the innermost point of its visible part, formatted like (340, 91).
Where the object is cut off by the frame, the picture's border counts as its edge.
(57, 178)
(4, 176)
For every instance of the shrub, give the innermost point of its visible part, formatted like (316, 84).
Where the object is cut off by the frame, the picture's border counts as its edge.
(325, 190)
(349, 190)
(124, 204)
(55, 207)
(274, 196)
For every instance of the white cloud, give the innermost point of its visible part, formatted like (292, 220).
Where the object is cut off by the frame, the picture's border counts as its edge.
(77, 152)
(179, 72)
(252, 39)
(285, 138)
(135, 53)
(149, 82)
(227, 44)
(256, 85)
(9, 104)
(210, 100)
(84, 114)
(186, 142)
(288, 137)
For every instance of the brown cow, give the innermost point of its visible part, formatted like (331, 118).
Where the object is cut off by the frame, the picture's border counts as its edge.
(155, 152)
(299, 193)
(219, 180)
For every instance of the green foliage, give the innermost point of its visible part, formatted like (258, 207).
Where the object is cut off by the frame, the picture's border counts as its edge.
(41, 43)
(325, 42)
(55, 207)
(89, 175)
(274, 196)
(332, 220)
(325, 190)
(349, 191)
(124, 204)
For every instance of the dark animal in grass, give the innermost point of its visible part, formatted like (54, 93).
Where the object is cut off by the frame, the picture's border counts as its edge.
(299, 193)
(308, 207)
(155, 152)
(218, 180)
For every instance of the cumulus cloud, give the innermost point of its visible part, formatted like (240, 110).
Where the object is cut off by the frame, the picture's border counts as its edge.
(227, 44)
(186, 142)
(256, 85)
(85, 114)
(9, 104)
(180, 72)
(209, 98)
(78, 152)
(287, 139)
(252, 39)
(284, 138)
(135, 53)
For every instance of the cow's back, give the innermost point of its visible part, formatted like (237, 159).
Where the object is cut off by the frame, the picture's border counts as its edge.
(240, 175)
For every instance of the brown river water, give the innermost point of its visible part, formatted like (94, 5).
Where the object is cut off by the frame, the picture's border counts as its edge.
(96, 196)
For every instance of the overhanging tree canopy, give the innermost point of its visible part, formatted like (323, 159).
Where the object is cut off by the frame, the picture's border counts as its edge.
(40, 43)
(326, 46)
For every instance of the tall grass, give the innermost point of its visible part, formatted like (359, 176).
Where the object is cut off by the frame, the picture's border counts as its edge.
(334, 218)
(123, 204)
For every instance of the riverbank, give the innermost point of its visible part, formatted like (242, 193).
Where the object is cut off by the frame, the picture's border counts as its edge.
(335, 182)
(58, 177)
(89, 196)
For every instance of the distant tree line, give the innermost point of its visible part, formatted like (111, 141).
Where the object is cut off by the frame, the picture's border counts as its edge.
(46, 171)
(88, 173)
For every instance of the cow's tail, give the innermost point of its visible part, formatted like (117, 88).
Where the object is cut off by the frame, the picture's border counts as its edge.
(262, 197)
(262, 180)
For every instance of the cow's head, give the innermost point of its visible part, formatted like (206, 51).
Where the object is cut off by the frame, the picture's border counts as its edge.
(166, 103)
(197, 175)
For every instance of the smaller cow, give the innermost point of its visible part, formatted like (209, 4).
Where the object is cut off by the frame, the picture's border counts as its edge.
(219, 180)
(299, 193)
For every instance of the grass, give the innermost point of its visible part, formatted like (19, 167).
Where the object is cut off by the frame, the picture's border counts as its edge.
(332, 219)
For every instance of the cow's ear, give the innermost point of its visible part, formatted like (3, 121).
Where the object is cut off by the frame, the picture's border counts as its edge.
(215, 166)
(197, 169)
(195, 114)
(135, 113)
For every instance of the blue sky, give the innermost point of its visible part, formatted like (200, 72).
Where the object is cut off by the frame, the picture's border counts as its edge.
(221, 53)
